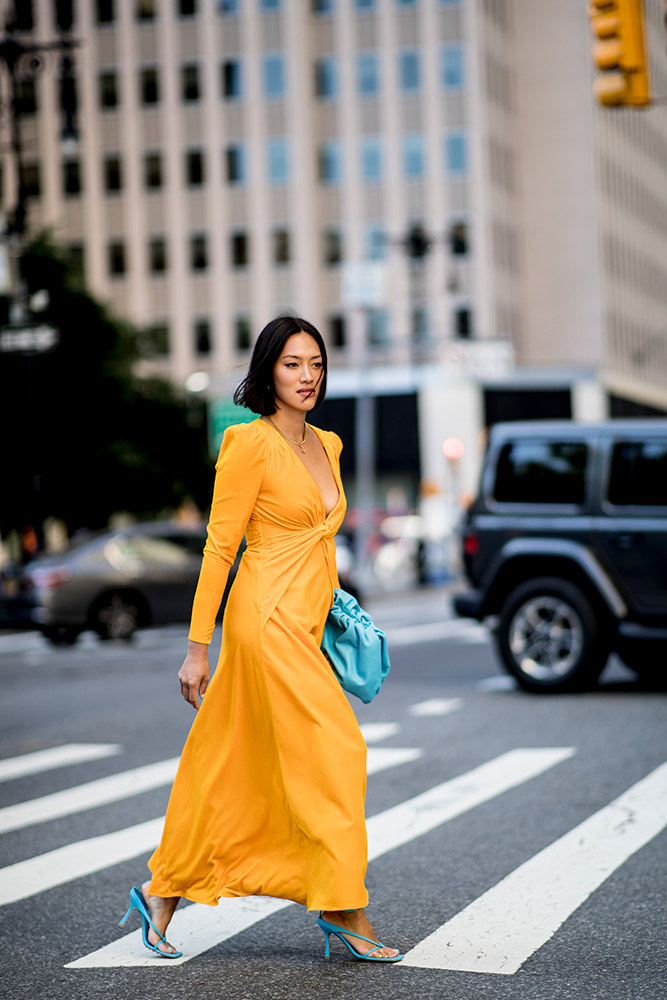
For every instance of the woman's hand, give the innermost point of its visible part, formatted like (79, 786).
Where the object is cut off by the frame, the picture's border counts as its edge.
(194, 674)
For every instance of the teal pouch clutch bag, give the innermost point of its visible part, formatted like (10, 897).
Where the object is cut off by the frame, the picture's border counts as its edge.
(356, 649)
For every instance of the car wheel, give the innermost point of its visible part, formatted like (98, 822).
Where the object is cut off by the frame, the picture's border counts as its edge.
(116, 615)
(550, 638)
(61, 635)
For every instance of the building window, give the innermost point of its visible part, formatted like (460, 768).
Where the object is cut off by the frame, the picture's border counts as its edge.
(322, 6)
(328, 162)
(108, 89)
(190, 89)
(408, 71)
(371, 160)
(75, 256)
(194, 168)
(420, 325)
(242, 333)
(149, 86)
(153, 178)
(198, 252)
(332, 246)
(459, 239)
(377, 327)
(451, 67)
(364, 4)
(71, 178)
(202, 336)
(407, 3)
(64, 15)
(375, 241)
(463, 323)
(104, 11)
(367, 74)
(239, 248)
(337, 331)
(157, 255)
(228, 6)
(145, 10)
(26, 95)
(22, 15)
(231, 79)
(155, 341)
(326, 78)
(278, 161)
(456, 153)
(274, 76)
(281, 246)
(187, 8)
(31, 180)
(270, 4)
(116, 258)
(413, 155)
(113, 175)
(235, 168)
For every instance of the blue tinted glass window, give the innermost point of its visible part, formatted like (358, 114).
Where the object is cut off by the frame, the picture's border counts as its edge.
(364, 4)
(278, 161)
(377, 329)
(371, 160)
(323, 6)
(235, 164)
(375, 241)
(456, 155)
(413, 155)
(228, 6)
(326, 78)
(409, 76)
(367, 74)
(269, 4)
(274, 76)
(407, 3)
(451, 67)
(329, 163)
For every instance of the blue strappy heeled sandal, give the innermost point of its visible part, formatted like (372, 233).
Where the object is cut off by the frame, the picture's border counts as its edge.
(138, 903)
(339, 932)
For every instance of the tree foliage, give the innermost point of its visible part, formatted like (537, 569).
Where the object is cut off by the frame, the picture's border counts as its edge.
(84, 437)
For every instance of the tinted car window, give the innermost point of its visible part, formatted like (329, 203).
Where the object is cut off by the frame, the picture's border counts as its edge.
(541, 471)
(145, 549)
(639, 474)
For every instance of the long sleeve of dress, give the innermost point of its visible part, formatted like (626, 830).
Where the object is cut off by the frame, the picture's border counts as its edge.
(238, 477)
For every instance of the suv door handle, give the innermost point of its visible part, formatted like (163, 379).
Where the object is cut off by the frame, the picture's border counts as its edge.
(627, 539)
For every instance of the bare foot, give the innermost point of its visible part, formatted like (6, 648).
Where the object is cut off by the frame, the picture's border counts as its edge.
(161, 910)
(358, 922)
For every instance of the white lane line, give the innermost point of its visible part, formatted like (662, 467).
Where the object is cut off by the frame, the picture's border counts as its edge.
(504, 927)
(46, 760)
(392, 828)
(375, 732)
(89, 795)
(503, 682)
(436, 706)
(453, 628)
(382, 758)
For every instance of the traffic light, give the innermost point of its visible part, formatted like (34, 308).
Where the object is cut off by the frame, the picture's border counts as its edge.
(619, 53)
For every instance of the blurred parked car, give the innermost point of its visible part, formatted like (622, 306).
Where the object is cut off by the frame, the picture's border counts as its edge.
(118, 581)
(565, 548)
(17, 604)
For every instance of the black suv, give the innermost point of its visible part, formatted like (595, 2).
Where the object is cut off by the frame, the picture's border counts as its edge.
(566, 549)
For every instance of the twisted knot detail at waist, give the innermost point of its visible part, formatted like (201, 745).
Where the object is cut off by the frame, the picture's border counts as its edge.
(270, 536)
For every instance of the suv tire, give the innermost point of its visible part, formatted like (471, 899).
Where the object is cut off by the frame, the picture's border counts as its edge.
(549, 637)
(116, 615)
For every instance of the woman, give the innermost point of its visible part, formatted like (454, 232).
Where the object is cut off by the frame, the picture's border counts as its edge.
(269, 795)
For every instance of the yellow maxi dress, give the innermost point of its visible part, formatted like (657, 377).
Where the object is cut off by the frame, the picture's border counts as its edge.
(269, 795)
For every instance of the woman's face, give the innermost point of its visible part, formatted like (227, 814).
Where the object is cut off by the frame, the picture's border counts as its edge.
(297, 373)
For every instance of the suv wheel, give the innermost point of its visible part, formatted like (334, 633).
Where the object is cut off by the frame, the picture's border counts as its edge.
(549, 636)
(116, 616)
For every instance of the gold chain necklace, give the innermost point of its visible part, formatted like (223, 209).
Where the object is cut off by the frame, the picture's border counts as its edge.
(300, 443)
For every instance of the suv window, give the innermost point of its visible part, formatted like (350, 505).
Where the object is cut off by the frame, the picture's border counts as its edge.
(639, 474)
(534, 470)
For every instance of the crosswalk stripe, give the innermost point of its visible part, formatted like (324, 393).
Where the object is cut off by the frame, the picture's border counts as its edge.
(375, 732)
(382, 758)
(436, 706)
(89, 795)
(387, 830)
(502, 928)
(47, 760)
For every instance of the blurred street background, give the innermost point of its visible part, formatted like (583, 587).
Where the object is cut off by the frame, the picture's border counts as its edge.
(469, 199)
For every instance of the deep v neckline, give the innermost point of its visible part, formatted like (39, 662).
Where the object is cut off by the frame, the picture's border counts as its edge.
(307, 470)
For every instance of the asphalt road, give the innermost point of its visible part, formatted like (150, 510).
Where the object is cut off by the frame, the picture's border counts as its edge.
(517, 842)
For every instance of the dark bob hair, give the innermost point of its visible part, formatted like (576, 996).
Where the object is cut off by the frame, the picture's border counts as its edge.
(257, 392)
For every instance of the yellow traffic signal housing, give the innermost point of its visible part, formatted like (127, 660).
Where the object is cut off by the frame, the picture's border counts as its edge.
(619, 52)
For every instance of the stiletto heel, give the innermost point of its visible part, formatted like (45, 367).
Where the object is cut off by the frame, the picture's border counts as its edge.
(340, 932)
(138, 903)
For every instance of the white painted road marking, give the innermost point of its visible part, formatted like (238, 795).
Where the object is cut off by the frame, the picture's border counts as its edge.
(406, 635)
(382, 758)
(436, 706)
(89, 795)
(504, 927)
(62, 756)
(199, 926)
(375, 732)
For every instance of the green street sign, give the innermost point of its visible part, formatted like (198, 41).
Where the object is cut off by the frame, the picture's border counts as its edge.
(222, 413)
